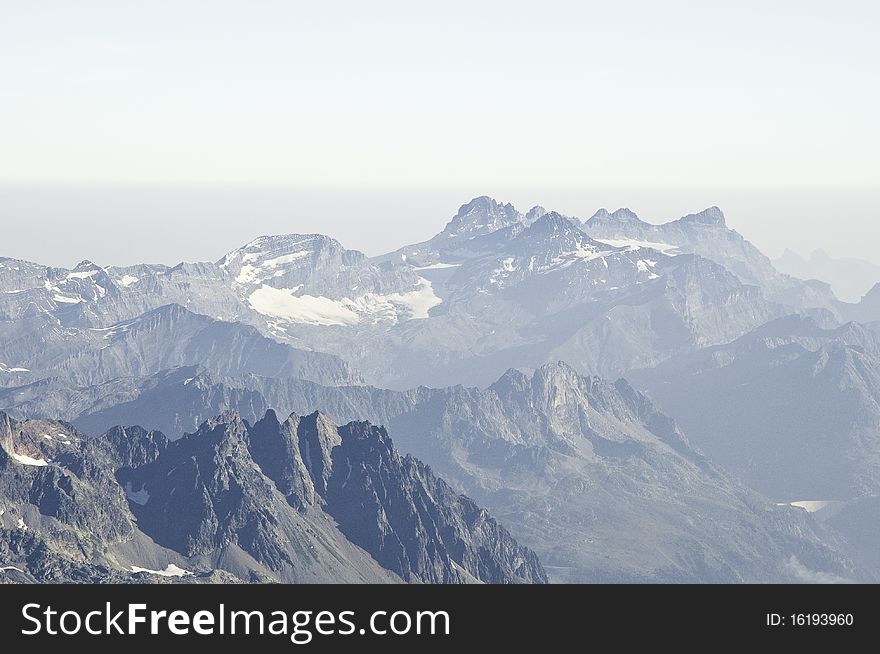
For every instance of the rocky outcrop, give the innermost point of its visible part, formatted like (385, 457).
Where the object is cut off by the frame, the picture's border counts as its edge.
(295, 501)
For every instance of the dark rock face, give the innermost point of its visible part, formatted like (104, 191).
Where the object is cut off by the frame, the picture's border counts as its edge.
(482, 215)
(453, 541)
(40, 466)
(206, 491)
(300, 500)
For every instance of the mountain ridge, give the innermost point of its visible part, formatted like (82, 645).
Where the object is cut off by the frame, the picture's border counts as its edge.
(211, 500)
(562, 458)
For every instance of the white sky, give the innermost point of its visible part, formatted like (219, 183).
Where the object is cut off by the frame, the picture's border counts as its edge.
(324, 115)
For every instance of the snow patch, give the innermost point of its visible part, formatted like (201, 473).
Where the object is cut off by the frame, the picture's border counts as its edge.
(645, 266)
(306, 309)
(140, 497)
(588, 253)
(418, 302)
(499, 273)
(247, 275)
(127, 280)
(811, 506)
(82, 275)
(61, 438)
(171, 571)
(67, 300)
(665, 248)
(284, 259)
(822, 510)
(7, 568)
(437, 266)
(566, 259)
(29, 461)
(254, 274)
(319, 310)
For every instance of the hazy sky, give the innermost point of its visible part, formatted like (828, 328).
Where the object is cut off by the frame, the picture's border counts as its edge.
(372, 121)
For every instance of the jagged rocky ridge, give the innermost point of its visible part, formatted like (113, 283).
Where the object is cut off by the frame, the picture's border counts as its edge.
(584, 471)
(295, 501)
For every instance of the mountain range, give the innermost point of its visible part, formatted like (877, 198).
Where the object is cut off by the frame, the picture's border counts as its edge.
(850, 278)
(749, 451)
(300, 501)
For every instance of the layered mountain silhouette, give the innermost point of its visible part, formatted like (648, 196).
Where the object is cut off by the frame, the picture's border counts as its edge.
(167, 388)
(791, 407)
(850, 278)
(584, 471)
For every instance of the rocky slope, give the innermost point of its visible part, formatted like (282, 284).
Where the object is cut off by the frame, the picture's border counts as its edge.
(298, 501)
(706, 233)
(165, 337)
(584, 471)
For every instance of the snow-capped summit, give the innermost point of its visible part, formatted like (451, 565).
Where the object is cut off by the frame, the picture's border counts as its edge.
(292, 256)
(267, 248)
(553, 238)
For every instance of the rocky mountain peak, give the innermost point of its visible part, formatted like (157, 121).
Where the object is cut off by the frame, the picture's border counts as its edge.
(555, 234)
(37, 443)
(482, 215)
(131, 447)
(87, 266)
(553, 222)
(512, 381)
(622, 215)
(453, 540)
(551, 387)
(275, 244)
(711, 217)
(317, 437)
(231, 481)
(556, 371)
(626, 215)
(534, 213)
(231, 420)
